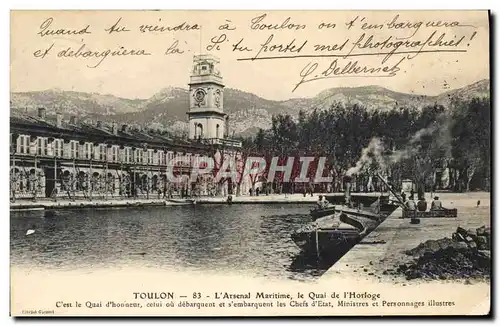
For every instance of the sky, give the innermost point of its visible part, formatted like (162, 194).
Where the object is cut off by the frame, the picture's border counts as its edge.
(141, 76)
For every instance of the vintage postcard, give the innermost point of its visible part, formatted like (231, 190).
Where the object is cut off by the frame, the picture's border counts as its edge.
(250, 163)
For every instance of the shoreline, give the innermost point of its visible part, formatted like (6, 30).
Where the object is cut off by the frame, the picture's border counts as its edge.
(25, 204)
(372, 260)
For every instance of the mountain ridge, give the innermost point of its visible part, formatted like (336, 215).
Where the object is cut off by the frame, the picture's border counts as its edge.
(247, 111)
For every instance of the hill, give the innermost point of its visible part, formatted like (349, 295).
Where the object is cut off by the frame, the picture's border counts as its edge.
(77, 103)
(247, 112)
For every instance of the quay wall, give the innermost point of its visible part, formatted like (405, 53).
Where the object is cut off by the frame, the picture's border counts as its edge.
(449, 200)
(384, 247)
(98, 203)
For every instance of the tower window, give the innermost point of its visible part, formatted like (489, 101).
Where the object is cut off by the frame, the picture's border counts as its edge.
(217, 135)
(200, 130)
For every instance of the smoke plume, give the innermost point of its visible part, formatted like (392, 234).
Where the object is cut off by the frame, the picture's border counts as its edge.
(412, 147)
(374, 152)
(370, 154)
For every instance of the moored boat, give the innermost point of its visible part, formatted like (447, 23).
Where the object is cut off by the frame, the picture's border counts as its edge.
(337, 228)
(325, 234)
(377, 208)
(317, 213)
(437, 213)
(175, 202)
(326, 241)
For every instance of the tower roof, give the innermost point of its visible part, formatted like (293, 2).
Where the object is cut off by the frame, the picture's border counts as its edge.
(205, 70)
(206, 57)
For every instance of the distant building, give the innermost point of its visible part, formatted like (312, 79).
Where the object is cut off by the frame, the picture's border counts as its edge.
(54, 158)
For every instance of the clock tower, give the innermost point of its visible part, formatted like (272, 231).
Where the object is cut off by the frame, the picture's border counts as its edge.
(206, 114)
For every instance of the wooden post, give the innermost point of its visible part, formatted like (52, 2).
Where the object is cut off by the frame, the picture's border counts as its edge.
(75, 178)
(135, 186)
(317, 245)
(90, 178)
(13, 190)
(433, 182)
(36, 182)
(55, 191)
(123, 188)
(106, 180)
(148, 175)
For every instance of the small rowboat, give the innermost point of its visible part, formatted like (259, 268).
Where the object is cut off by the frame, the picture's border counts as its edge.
(174, 202)
(317, 213)
(369, 212)
(324, 239)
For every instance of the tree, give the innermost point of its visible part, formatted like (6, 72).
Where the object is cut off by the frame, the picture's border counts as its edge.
(471, 139)
(435, 137)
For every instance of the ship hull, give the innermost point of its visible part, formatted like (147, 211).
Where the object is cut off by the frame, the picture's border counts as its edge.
(322, 212)
(326, 242)
(385, 210)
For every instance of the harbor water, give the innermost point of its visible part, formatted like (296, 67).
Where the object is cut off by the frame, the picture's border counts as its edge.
(251, 239)
(248, 239)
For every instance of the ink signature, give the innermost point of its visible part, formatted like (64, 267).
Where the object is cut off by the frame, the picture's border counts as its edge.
(345, 68)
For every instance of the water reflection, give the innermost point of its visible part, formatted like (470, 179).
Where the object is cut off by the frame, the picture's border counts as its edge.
(246, 239)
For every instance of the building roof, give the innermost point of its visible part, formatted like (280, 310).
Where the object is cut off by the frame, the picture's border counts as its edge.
(102, 131)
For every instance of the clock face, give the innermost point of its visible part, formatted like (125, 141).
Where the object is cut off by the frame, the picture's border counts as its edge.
(199, 95)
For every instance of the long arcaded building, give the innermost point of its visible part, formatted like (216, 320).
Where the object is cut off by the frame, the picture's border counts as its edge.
(51, 157)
